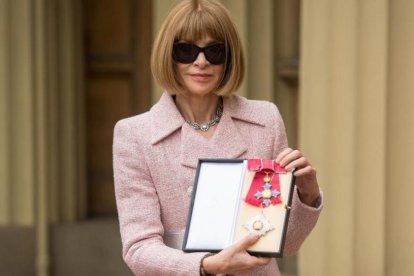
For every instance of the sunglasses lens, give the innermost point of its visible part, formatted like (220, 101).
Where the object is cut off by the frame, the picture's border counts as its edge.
(215, 54)
(185, 52)
(188, 53)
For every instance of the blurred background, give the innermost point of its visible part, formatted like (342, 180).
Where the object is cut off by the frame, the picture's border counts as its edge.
(341, 72)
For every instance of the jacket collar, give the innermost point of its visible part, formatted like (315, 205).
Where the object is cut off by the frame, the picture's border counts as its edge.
(242, 109)
(166, 119)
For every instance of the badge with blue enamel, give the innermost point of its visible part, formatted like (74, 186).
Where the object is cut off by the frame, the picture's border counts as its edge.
(264, 191)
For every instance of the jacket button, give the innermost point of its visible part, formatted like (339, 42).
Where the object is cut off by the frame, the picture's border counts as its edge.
(190, 191)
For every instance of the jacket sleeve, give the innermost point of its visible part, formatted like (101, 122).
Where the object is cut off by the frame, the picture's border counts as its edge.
(139, 213)
(302, 217)
(302, 220)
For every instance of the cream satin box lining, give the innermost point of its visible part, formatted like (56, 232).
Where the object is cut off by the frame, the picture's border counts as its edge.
(218, 210)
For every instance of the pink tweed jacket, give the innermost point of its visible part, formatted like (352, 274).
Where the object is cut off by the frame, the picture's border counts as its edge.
(155, 156)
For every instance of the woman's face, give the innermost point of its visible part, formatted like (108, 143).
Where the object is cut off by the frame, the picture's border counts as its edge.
(200, 77)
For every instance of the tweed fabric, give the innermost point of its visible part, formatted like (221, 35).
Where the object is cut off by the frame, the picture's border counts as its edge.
(155, 156)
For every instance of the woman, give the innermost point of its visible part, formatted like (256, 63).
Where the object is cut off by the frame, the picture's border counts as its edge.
(197, 58)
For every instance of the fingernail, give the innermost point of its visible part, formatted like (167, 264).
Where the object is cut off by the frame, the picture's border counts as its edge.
(288, 168)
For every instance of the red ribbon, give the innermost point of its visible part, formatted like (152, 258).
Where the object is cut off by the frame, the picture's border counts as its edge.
(262, 193)
(264, 164)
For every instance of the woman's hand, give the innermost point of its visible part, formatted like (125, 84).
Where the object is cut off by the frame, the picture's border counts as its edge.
(234, 259)
(305, 174)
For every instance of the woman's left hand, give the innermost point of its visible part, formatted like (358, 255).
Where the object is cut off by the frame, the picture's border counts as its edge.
(305, 174)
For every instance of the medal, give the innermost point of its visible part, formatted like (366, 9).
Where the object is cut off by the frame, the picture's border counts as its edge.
(258, 225)
(264, 191)
(267, 194)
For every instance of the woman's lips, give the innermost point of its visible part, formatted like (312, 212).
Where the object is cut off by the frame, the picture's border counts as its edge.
(200, 77)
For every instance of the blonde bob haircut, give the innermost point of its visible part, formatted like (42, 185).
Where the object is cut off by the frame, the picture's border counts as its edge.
(192, 20)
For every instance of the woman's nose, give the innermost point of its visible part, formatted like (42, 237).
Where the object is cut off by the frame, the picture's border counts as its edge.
(201, 60)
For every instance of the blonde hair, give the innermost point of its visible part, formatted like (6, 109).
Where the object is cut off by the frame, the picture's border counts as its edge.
(192, 20)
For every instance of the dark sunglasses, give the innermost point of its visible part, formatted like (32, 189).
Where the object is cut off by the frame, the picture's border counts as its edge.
(184, 52)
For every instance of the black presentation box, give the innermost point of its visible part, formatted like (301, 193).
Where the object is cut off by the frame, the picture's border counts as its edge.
(220, 216)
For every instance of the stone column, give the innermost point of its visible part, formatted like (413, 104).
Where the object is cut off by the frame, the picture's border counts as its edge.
(16, 145)
(260, 50)
(400, 140)
(356, 127)
(5, 212)
(41, 146)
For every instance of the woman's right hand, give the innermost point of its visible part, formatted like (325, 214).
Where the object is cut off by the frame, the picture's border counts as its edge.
(235, 258)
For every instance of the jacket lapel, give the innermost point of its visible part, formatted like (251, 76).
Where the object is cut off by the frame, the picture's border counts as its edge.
(165, 118)
(227, 141)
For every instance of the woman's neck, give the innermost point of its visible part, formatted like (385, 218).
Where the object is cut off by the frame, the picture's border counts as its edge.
(197, 109)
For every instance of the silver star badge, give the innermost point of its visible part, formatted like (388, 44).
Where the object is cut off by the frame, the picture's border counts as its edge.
(258, 225)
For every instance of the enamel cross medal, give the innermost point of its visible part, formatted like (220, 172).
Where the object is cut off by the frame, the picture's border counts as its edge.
(264, 192)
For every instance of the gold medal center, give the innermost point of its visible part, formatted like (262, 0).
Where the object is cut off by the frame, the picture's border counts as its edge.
(267, 194)
(257, 225)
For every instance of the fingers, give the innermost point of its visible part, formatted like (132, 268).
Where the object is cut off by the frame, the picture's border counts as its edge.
(282, 155)
(305, 174)
(308, 170)
(236, 259)
(297, 163)
(262, 260)
(246, 242)
(291, 159)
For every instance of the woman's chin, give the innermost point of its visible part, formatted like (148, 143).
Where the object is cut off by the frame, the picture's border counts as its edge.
(200, 90)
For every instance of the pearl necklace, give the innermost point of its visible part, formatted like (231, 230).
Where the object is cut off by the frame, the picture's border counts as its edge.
(206, 126)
